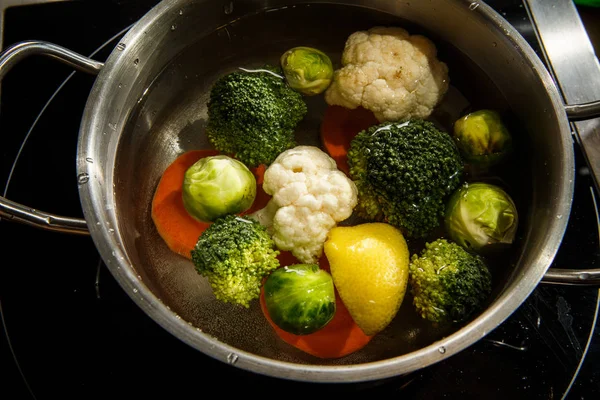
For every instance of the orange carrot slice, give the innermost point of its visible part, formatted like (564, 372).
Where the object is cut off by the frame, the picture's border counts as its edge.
(340, 337)
(340, 125)
(181, 231)
(175, 225)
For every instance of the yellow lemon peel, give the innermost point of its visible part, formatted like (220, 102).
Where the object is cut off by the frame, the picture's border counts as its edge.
(369, 266)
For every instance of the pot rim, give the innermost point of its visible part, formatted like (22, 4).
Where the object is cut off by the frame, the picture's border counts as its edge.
(122, 269)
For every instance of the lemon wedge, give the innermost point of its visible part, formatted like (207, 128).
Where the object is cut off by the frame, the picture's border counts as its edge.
(369, 266)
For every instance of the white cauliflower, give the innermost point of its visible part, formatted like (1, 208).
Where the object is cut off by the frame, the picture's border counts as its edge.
(310, 196)
(392, 73)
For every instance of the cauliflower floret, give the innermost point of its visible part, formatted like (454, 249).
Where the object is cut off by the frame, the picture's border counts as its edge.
(302, 231)
(286, 167)
(310, 196)
(392, 73)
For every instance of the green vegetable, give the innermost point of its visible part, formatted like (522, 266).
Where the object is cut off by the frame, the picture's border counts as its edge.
(300, 298)
(448, 283)
(216, 186)
(252, 115)
(590, 3)
(481, 214)
(482, 137)
(307, 70)
(403, 172)
(235, 254)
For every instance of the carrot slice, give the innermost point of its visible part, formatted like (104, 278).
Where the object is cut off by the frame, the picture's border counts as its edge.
(340, 125)
(262, 198)
(175, 225)
(181, 231)
(340, 337)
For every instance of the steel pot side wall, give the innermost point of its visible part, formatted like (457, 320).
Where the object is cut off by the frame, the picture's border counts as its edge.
(477, 31)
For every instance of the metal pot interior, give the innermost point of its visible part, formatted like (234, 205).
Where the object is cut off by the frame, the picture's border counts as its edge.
(149, 106)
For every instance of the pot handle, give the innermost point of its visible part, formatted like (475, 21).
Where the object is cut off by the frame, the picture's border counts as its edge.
(563, 38)
(581, 277)
(11, 210)
(580, 112)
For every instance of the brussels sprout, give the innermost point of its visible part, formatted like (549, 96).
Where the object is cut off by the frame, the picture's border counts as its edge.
(307, 70)
(482, 137)
(481, 214)
(216, 186)
(300, 298)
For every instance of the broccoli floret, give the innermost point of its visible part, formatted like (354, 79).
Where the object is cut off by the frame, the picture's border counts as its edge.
(253, 115)
(448, 283)
(235, 254)
(403, 172)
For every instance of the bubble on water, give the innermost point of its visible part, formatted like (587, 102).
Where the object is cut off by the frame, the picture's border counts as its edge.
(136, 61)
(442, 350)
(473, 6)
(232, 358)
(83, 178)
(121, 46)
(173, 27)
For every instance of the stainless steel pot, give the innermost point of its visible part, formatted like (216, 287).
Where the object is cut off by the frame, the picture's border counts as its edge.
(148, 105)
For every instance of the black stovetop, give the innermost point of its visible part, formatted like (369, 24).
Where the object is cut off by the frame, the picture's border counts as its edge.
(71, 332)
